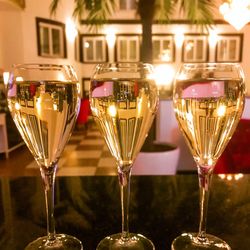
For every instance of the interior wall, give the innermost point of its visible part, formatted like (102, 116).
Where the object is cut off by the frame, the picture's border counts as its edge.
(18, 35)
(11, 42)
(41, 9)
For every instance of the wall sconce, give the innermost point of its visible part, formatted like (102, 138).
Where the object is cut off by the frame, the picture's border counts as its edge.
(71, 30)
(110, 37)
(236, 12)
(179, 38)
(213, 38)
(164, 76)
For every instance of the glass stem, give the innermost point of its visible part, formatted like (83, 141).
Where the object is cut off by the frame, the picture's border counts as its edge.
(124, 181)
(48, 176)
(205, 176)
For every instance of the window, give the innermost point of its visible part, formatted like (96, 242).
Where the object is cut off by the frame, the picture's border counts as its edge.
(94, 48)
(51, 38)
(163, 48)
(229, 48)
(127, 48)
(195, 48)
(127, 4)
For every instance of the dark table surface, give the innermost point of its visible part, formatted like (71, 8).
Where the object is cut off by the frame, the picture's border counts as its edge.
(161, 208)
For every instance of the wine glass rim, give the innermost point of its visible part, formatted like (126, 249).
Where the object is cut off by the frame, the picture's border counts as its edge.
(202, 64)
(39, 65)
(122, 64)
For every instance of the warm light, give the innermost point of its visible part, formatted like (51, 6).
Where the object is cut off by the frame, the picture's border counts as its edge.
(179, 38)
(210, 162)
(238, 176)
(213, 38)
(54, 107)
(221, 110)
(236, 12)
(61, 77)
(182, 76)
(110, 37)
(86, 45)
(38, 105)
(71, 30)
(230, 177)
(112, 110)
(17, 106)
(78, 86)
(19, 79)
(222, 176)
(189, 117)
(139, 105)
(166, 55)
(189, 46)
(164, 75)
(6, 77)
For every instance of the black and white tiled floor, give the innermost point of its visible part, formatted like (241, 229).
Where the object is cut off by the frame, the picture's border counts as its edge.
(85, 154)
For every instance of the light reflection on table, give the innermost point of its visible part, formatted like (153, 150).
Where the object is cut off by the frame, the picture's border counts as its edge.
(161, 208)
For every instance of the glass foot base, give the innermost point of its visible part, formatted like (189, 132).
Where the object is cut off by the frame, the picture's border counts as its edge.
(134, 241)
(62, 242)
(189, 241)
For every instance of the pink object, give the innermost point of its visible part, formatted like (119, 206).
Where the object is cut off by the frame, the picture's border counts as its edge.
(105, 89)
(204, 90)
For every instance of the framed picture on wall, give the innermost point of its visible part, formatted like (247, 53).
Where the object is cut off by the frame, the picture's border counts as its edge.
(195, 48)
(51, 38)
(163, 48)
(229, 48)
(128, 48)
(94, 49)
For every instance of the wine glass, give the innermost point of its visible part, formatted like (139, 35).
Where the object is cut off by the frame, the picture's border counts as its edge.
(124, 100)
(43, 100)
(208, 102)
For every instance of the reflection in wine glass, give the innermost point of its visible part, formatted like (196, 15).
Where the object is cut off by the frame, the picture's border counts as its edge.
(208, 103)
(44, 102)
(124, 100)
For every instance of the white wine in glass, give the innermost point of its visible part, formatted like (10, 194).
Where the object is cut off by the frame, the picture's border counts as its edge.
(124, 100)
(208, 102)
(44, 102)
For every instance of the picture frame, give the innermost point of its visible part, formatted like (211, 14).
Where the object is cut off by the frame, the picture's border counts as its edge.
(163, 48)
(195, 48)
(94, 48)
(229, 48)
(127, 48)
(51, 38)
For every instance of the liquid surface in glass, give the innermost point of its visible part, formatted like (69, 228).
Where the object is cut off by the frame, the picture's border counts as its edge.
(44, 113)
(208, 112)
(124, 110)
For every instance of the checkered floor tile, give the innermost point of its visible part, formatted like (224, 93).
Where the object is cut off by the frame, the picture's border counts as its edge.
(85, 154)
